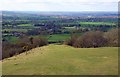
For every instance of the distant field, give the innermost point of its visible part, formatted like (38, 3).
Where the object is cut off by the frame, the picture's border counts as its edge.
(52, 38)
(25, 25)
(12, 39)
(70, 29)
(18, 30)
(63, 60)
(96, 23)
(55, 37)
(58, 37)
(89, 23)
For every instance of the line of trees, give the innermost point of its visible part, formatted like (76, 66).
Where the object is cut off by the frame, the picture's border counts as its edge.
(95, 39)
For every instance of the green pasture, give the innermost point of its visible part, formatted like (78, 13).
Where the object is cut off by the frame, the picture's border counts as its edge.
(18, 30)
(87, 23)
(55, 37)
(96, 23)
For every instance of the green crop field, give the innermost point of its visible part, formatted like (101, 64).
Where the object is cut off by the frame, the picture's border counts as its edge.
(63, 60)
(70, 29)
(88, 23)
(96, 23)
(18, 30)
(28, 25)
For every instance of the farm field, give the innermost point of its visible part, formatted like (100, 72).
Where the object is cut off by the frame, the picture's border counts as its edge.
(25, 25)
(18, 30)
(96, 23)
(57, 37)
(52, 38)
(89, 23)
(63, 60)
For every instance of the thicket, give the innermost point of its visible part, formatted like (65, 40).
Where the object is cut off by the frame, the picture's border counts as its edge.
(95, 39)
(23, 45)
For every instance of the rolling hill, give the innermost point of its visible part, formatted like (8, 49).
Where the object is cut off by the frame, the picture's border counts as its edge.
(63, 60)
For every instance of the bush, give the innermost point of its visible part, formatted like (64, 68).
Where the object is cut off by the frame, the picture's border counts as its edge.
(112, 37)
(9, 49)
(23, 45)
(96, 39)
(39, 42)
(89, 39)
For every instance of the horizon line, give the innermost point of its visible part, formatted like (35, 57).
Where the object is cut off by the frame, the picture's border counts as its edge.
(54, 11)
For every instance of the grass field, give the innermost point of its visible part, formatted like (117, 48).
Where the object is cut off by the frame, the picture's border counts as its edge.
(12, 39)
(18, 30)
(96, 23)
(65, 60)
(88, 23)
(58, 37)
(55, 37)
(25, 25)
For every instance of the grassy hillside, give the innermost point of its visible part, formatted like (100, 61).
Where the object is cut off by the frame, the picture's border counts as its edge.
(61, 59)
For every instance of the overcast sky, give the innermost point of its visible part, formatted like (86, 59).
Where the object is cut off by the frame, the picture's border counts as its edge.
(59, 5)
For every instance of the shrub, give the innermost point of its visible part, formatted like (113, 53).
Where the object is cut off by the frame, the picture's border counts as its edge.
(89, 39)
(112, 37)
(39, 42)
(23, 45)
(9, 49)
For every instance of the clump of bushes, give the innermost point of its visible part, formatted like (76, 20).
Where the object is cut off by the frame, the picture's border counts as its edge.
(23, 45)
(10, 49)
(94, 39)
(112, 37)
(39, 42)
(90, 39)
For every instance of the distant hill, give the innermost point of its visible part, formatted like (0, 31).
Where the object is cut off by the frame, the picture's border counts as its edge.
(87, 13)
